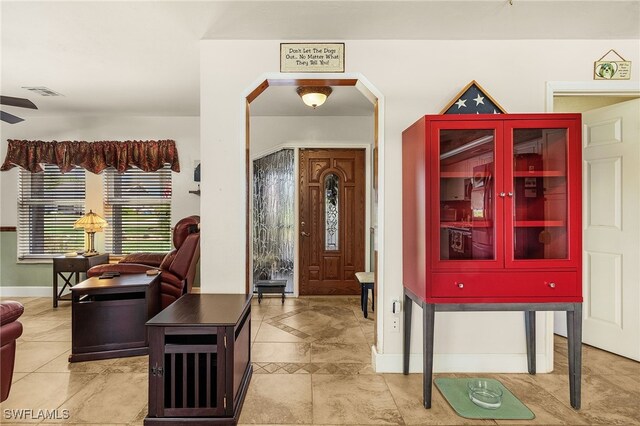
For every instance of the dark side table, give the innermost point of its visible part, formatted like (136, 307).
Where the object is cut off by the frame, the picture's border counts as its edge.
(199, 360)
(66, 267)
(108, 316)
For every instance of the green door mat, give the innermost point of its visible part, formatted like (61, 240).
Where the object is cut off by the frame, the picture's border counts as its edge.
(455, 392)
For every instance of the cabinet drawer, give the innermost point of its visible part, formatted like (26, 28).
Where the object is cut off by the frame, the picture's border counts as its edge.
(504, 284)
(70, 265)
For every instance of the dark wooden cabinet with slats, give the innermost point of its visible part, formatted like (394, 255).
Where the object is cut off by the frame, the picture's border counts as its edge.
(199, 360)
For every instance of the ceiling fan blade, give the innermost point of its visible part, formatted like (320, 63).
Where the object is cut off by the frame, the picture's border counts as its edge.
(17, 102)
(10, 118)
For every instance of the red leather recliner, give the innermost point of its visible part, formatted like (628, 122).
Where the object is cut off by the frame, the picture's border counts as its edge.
(10, 330)
(177, 268)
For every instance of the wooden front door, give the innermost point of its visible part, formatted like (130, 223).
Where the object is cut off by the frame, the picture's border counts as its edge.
(332, 220)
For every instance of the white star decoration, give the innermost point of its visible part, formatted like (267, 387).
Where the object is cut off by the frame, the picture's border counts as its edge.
(461, 103)
(479, 100)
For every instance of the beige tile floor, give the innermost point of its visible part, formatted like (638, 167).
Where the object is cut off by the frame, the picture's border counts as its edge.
(311, 366)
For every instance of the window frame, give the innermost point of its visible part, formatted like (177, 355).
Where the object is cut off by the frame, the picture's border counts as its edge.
(35, 189)
(155, 192)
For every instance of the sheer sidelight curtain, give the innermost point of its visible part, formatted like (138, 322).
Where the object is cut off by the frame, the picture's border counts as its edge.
(273, 217)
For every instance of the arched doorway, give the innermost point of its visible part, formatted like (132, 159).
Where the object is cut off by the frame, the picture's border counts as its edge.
(373, 234)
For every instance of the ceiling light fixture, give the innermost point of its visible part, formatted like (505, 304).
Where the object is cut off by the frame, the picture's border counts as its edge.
(314, 96)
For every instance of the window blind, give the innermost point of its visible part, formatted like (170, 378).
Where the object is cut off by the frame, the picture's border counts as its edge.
(137, 206)
(48, 205)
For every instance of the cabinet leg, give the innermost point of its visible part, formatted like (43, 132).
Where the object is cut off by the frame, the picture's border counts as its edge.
(428, 317)
(574, 341)
(406, 341)
(530, 328)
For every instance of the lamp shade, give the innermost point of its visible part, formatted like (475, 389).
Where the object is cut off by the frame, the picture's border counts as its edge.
(314, 96)
(91, 222)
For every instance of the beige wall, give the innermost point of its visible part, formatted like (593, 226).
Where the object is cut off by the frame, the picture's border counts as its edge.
(268, 132)
(415, 78)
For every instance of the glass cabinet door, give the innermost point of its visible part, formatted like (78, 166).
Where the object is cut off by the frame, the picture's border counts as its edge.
(467, 177)
(539, 193)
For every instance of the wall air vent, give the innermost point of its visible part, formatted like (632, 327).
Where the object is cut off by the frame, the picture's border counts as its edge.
(42, 91)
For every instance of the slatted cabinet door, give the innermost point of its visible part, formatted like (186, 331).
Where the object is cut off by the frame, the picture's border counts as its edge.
(187, 372)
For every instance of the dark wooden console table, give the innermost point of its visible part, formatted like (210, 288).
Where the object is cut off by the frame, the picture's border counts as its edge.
(74, 266)
(574, 333)
(108, 316)
(200, 360)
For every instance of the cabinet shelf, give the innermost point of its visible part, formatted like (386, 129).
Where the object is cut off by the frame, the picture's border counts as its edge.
(466, 175)
(540, 223)
(516, 174)
(474, 224)
(539, 173)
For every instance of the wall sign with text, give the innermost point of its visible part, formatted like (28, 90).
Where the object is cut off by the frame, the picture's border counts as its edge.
(612, 69)
(311, 57)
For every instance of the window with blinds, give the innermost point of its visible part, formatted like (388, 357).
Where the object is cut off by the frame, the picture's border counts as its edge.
(137, 207)
(48, 205)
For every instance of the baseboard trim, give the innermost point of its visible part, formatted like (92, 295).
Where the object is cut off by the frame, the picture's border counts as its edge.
(458, 363)
(27, 291)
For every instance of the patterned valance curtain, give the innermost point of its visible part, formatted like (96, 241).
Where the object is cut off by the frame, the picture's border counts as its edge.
(92, 156)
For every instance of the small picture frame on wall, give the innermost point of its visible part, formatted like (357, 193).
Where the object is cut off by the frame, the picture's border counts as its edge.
(617, 68)
(312, 57)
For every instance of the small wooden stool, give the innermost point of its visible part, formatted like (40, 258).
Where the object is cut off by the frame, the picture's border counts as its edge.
(270, 286)
(366, 280)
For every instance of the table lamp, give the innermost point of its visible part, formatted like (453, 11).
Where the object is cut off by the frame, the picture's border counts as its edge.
(91, 223)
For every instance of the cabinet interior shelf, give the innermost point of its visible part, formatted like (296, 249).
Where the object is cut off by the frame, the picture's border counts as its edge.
(467, 175)
(539, 173)
(474, 224)
(540, 223)
(517, 174)
(519, 224)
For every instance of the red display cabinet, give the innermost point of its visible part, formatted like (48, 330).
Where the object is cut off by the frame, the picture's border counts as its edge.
(492, 219)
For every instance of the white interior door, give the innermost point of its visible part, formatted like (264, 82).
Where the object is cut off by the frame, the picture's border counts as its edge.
(611, 137)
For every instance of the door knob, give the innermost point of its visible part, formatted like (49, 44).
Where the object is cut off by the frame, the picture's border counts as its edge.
(460, 285)
(305, 234)
(510, 194)
(502, 194)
